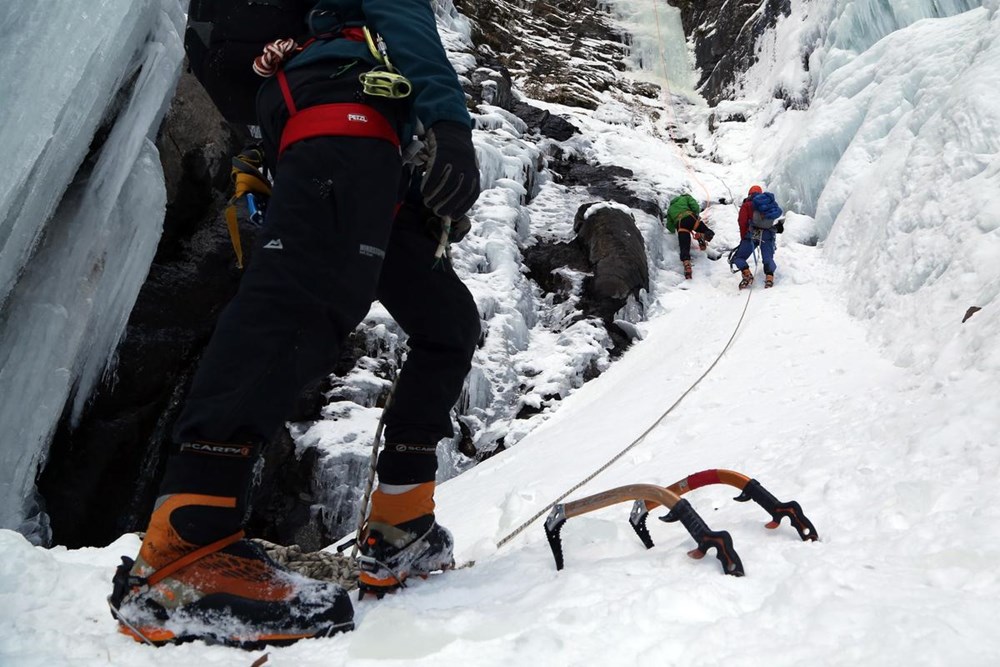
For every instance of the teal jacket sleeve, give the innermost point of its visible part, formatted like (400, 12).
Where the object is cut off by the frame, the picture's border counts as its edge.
(410, 33)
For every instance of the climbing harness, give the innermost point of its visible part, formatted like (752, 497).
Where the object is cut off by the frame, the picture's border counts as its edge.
(336, 119)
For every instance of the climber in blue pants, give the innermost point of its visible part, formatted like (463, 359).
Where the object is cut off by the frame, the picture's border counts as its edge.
(759, 227)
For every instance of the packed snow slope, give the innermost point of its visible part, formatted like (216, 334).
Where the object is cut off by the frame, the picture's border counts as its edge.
(897, 471)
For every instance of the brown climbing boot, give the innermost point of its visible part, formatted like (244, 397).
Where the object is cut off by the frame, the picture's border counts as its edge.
(747, 279)
(687, 269)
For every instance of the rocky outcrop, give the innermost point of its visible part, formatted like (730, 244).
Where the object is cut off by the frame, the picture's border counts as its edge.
(609, 248)
(724, 34)
(575, 51)
(616, 251)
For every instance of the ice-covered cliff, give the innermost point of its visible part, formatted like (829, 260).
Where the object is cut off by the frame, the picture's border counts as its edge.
(80, 213)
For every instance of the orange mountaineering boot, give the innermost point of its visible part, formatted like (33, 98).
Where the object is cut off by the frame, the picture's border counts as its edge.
(196, 577)
(402, 538)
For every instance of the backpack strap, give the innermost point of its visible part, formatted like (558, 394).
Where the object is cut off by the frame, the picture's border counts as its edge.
(685, 216)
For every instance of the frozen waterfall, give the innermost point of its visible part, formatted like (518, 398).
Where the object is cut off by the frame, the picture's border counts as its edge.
(82, 211)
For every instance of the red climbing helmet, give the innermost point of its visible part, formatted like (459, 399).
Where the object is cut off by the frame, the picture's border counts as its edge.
(755, 190)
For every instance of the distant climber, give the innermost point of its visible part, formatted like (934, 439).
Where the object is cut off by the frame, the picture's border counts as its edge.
(684, 218)
(760, 221)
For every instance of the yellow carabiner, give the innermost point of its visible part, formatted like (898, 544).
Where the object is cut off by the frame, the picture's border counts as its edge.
(377, 47)
(385, 84)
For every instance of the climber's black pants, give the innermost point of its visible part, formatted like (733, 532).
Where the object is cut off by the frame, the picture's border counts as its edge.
(686, 227)
(329, 246)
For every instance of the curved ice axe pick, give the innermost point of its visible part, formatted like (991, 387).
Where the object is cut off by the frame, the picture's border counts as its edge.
(656, 495)
(751, 490)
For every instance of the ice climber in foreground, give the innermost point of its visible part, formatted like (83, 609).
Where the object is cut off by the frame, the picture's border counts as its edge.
(347, 223)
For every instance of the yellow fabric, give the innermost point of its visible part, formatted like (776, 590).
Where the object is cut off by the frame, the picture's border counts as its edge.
(234, 231)
(244, 183)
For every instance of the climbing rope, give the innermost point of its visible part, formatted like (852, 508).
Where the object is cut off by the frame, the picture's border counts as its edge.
(642, 436)
(321, 565)
(517, 531)
(372, 462)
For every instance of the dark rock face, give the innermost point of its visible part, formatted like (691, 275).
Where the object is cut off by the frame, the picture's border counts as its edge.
(100, 477)
(492, 85)
(617, 252)
(581, 53)
(608, 246)
(724, 40)
(548, 125)
(603, 181)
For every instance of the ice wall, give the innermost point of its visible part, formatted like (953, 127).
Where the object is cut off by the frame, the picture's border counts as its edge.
(658, 48)
(801, 65)
(897, 155)
(78, 226)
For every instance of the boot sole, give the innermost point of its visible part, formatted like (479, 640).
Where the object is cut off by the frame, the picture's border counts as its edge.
(163, 637)
(379, 587)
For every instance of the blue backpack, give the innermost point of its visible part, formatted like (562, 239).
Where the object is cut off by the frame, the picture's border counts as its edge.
(765, 210)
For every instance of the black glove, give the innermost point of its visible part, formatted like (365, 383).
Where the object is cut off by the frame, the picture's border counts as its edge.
(459, 228)
(779, 227)
(451, 178)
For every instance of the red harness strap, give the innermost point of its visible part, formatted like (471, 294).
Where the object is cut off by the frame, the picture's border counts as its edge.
(345, 119)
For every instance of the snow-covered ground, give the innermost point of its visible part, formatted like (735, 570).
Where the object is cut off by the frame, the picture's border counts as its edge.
(881, 421)
(897, 472)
